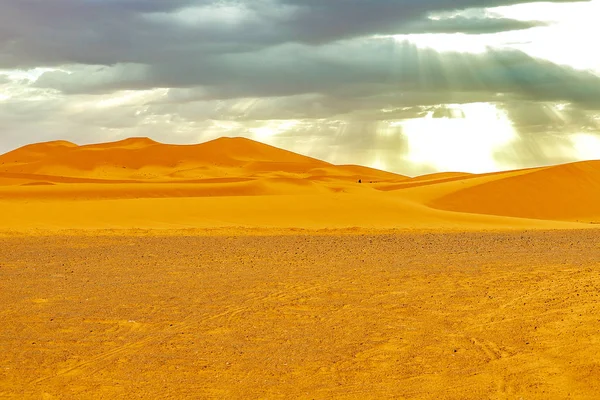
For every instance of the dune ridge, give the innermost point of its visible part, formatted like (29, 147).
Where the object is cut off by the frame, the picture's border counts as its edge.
(230, 182)
(145, 159)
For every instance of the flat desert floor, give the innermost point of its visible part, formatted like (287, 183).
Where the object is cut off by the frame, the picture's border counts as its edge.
(475, 315)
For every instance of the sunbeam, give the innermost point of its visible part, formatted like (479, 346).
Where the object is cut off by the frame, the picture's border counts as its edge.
(463, 144)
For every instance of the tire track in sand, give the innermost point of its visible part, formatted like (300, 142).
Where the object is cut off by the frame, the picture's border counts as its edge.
(91, 363)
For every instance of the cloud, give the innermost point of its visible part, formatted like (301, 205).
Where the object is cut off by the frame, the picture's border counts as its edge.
(319, 21)
(36, 33)
(448, 112)
(266, 49)
(368, 69)
(530, 118)
(545, 133)
(542, 149)
(34, 115)
(96, 78)
(472, 26)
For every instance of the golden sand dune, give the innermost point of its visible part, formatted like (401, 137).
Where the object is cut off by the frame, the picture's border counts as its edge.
(236, 182)
(145, 159)
(563, 192)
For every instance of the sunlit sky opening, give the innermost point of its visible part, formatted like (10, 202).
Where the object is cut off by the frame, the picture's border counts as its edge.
(587, 146)
(457, 144)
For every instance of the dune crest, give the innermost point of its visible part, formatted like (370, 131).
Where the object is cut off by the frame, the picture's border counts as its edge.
(133, 143)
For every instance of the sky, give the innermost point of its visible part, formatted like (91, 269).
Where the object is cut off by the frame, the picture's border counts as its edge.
(409, 86)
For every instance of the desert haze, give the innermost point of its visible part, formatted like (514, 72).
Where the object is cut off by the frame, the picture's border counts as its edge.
(234, 269)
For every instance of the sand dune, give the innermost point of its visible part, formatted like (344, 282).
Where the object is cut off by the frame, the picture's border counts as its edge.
(563, 192)
(144, 159)
(232, 182)
(130, 156)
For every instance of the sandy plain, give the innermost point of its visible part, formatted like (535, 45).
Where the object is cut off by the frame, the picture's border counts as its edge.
(405, 315)
(232, 269)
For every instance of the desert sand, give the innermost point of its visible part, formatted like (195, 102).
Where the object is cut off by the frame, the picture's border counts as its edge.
(233, 269)
(422, 316)
(236, 182)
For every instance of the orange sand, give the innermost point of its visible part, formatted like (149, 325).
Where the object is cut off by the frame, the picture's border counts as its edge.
(465, 316)
(233, 269)
(235, 182)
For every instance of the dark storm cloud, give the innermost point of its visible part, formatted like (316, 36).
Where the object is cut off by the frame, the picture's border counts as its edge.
(360, 69)
(328, 20)
(266, 48)
(105, 32)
